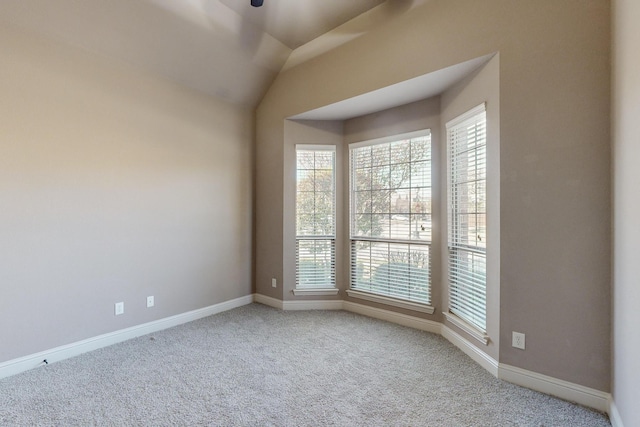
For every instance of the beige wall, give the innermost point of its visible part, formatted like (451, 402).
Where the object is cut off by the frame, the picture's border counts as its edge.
(626, 152)
(269, 195)
(554, 158)
(114, 185)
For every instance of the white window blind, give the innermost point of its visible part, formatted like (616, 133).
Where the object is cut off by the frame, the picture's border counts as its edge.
(467, 216)
(315, 217)
(390, 216)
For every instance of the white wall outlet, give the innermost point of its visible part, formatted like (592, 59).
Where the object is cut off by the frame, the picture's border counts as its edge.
(150, 301)
(517, 340)
(273, 283)
(119, 308)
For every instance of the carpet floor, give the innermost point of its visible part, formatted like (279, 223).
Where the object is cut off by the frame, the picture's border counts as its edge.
(257, 366)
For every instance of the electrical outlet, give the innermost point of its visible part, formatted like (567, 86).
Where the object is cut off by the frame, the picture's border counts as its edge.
(273, 283)
(518, 340)
(119, 308)
(150, 301)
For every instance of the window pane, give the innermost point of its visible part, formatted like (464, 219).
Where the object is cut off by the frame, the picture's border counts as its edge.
(380, 225)
(315, 265)
(380, 201)
(380, 177)
(380, 155)
(421, 149)
(305, 180)
(362, 158)
(362, 202)
(421, 174)
(324, 160)
(323, 180)
(400, 224)
(305, 225)
(420, 200)
(324, 222)
(467, 219)
(467, 292)
(391, 269)
(315, 218)
(401, 201)
(400, 227)
(305, 201)
(305, 160)
(420, 227)
(398, 175)
(362, 225)
(400, 187)
(400, 152)
(361, 264)
(362, 178)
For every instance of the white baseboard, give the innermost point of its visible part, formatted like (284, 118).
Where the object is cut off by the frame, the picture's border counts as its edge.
(271, 302)
(389, 316)
(393, 317)
(477, 355)
(582, 395)
(614, 415)
(15, 366)
(313, 305)
(565, 390)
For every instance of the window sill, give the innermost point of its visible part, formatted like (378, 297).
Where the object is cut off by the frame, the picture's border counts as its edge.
(315, 292)
(423, 308)
(471, 330)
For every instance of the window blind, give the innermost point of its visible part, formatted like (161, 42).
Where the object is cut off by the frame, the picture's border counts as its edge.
(315, 217)
(398, 270)
(390, 217)
(467, 216)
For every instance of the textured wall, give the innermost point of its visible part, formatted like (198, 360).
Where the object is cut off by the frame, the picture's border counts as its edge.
(626, 152)
(114, 185)
(554, 158)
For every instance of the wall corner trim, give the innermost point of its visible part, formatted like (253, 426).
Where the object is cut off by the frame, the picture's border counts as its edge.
(614, 415)
(572, 392)
(22, 364)
(269, 301)
(479, 356)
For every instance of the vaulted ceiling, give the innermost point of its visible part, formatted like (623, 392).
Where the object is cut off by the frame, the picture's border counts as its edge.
(225, 48)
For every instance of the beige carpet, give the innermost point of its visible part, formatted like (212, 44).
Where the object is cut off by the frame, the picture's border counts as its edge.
(256, 366)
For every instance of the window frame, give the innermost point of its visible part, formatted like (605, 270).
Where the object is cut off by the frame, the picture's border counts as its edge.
(385, 298)
(469, 315)
(329, 288)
